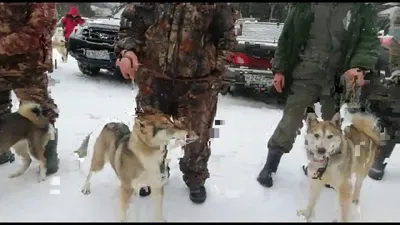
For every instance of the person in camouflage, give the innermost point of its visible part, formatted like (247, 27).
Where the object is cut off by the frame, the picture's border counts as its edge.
(25, 57)
(183, 49)
(377, 170)
(318, 43)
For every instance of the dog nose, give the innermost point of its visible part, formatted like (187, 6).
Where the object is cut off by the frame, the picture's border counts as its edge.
(321, 151)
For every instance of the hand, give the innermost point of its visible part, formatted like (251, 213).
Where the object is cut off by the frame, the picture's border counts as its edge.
(279, 82)
(355, 74)
(128, 65)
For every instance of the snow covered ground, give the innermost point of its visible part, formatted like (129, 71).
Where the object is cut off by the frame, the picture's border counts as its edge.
(87, 103)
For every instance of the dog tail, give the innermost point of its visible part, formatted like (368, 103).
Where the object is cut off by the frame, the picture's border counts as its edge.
(82, 151)
(366, 124)
(33, 112)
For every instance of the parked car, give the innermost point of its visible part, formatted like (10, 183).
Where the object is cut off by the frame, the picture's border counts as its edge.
(250, 68)
(92, 45)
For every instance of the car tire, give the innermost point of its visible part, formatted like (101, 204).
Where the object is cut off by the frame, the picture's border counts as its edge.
(224, 89)
(117, 73)
(90, 71)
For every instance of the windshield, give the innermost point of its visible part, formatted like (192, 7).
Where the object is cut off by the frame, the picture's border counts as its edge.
(118, 14)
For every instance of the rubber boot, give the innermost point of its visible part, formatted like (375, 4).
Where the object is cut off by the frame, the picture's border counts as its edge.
(377, 170)
(50, 153)
(305, 170)
(270, 167)
(5, 108)
(198, 195)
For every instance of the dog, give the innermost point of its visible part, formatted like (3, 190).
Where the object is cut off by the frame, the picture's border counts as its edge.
(58, 42)
(26, 131)
(137, 157)
(335, 155)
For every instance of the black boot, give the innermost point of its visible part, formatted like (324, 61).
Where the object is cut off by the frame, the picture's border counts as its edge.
(270, 167)
(198, 195)
(378, 167)
(5, 108)
(50, 153)
(146, 191)
(305, 170)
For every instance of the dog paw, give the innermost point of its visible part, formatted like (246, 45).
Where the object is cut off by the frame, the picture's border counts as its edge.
(41, 179)
(85, 191)
(305, 213)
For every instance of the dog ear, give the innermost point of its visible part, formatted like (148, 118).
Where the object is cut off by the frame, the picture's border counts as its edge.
(337, 120)
(311, 119)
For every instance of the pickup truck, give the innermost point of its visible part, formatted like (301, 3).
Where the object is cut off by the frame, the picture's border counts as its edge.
(92, 45)
(250, 69)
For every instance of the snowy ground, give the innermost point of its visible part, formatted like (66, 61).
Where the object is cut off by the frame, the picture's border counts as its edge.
(87, 103)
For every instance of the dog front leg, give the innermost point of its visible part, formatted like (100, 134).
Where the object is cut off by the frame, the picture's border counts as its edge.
(158, 199)
(314, 193)
(125, 194)
(344, 200)
(21, 148)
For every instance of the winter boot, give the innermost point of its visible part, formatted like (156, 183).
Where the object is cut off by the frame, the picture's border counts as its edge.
(146, 191)
(5, 108)
(378, 167)
(305, 170)
(198, 195)
(270, 167)
(50, 153)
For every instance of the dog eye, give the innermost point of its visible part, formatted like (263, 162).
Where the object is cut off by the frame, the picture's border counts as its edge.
(316, 136)
(330, 136)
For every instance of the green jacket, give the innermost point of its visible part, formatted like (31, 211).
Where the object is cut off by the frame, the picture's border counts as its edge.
(360, 48)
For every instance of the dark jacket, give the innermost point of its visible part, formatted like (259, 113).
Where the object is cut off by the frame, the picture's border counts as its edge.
(360, 48)
(179, 40)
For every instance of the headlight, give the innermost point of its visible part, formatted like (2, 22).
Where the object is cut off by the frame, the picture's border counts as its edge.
(80, 30)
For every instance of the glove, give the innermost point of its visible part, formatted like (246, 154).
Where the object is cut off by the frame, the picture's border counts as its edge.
(279, 82)
(128, 64)
(355, 74)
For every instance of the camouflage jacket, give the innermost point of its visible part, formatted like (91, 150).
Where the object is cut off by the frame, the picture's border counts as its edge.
(360, 47)
(25, 37)
(178, 40)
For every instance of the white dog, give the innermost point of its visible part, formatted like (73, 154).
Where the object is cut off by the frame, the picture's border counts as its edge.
(58, 42)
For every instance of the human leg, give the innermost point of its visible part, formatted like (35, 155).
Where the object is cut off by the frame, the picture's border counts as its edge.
(154, 95)
(33, 87)
(197, 107)
(304, 94)
(5, 108)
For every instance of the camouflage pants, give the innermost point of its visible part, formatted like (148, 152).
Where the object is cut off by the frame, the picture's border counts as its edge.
(394, 55)
(305, 91)
(28, 87)
(192, 103)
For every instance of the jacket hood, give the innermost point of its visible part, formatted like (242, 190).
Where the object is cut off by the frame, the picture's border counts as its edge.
(73, 11)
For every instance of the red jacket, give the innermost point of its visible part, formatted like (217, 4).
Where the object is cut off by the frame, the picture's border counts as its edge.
(71, 20)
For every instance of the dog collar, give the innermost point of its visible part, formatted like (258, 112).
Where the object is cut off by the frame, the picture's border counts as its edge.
(320, 171)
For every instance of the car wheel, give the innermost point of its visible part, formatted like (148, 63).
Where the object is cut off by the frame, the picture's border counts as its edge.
(117, 73)
(224, 89)
(90, 71)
